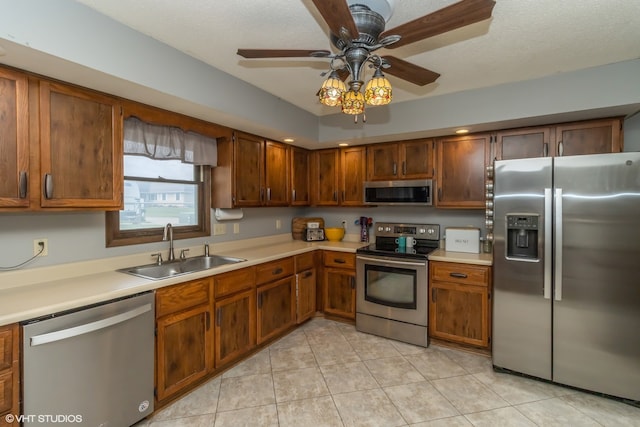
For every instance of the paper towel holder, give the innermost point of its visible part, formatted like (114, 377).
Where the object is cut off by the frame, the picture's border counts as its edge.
(228, 214)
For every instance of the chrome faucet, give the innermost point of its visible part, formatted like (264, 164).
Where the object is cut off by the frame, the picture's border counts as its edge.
(168, 235)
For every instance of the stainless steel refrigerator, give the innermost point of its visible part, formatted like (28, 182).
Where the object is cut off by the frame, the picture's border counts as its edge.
(566, 301)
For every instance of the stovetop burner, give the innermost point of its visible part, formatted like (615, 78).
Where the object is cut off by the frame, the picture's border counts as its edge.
(427, 239)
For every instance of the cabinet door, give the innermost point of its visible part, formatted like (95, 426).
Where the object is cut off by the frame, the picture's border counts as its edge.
(80, 148)
(300, 189)
(524, 144)
(249, 170)
(184, 345)
(340, 292)
(276, 308)
(14, 140)
(382, 162)
(459, 313)
(276, 174)
(9, 373)
(235, 327)
(461, 171)
(416, 159)
(325, 179)
(352, 175)
(305, 295)
(593, 137)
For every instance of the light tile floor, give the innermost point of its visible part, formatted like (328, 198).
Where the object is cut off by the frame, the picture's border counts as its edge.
(325, 373)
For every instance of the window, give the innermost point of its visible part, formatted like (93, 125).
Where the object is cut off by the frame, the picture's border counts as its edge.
(166, 180)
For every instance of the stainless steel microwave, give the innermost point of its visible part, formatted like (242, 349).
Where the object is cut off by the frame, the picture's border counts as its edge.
(405, 193)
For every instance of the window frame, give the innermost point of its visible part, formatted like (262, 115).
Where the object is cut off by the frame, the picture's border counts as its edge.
(113, 235)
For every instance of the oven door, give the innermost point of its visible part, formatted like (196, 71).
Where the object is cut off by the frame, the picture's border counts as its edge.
(392, 288)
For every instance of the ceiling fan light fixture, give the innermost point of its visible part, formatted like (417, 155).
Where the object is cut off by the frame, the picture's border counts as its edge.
(332, 90)
(352, 102)
(378, 90)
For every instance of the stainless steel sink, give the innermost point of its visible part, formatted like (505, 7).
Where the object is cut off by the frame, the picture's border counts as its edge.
(178, 267)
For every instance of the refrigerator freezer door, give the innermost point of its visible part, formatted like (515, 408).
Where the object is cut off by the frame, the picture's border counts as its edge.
(596, 344)
(521, 313)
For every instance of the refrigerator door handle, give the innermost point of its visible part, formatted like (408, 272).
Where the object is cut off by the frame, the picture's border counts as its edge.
(558, 245)
(548, 221)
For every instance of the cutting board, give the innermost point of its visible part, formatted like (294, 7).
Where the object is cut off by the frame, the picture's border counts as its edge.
(298, 225)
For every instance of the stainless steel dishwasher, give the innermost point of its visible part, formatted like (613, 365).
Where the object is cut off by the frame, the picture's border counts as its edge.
(90, 367)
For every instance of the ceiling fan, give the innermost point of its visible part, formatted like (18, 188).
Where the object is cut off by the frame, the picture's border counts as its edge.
(357, 32)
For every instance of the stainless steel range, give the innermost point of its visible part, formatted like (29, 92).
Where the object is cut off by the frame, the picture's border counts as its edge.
(392, 282)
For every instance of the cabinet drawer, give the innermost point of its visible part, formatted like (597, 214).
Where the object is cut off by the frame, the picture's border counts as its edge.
(234, 281)
(182, 296)
(467, 274)
(6, 348)
(339, 259)
(6, 391)
(305, 261)
(270, 271)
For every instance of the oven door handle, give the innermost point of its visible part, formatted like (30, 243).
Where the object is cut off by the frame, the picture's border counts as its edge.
(388, 261)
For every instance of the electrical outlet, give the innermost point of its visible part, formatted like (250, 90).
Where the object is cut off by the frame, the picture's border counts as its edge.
(219, 229)
(37, 247)
(344, 224)
(278, 224)
(236, 228)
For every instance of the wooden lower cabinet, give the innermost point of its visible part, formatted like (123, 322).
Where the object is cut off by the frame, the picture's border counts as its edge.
(339, 284)
(184, 342)
(9, 373)
(235, 326)
(305, 295)
(459, 303)
(276, 308)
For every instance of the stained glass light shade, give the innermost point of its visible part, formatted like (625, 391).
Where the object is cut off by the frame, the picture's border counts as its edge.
(331, 91)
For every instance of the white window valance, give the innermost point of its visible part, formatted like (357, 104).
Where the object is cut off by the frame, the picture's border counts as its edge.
(168, 143)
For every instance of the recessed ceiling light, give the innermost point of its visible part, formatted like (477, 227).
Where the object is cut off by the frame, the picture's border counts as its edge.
(344, 144)
(461, 131)
(288, 140)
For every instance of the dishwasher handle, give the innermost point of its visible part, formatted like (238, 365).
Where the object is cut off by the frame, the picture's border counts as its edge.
(88, 327)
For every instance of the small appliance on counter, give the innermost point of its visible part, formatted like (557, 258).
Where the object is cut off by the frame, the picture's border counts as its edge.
(462, 239)
(313, 232)
(307, 228)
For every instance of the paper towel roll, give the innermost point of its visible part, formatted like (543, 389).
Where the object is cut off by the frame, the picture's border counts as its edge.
(228, 214)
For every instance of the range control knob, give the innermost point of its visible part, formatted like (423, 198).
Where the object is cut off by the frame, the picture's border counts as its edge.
(489, 204)
(380, 228)
(490, 171)
(488, 196)
(489, 213)
(489, 186)
(489, 223)
(387, 229)
(490, 237)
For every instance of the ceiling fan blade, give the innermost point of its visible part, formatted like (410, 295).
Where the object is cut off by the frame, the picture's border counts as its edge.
(337, 15)
(282, 53)
(409, 72)
(343, 73)
(461, 14)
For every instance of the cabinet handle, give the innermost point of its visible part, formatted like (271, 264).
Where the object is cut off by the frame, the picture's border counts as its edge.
(458, 275)
(545, 149)
(433, 295)
(307, 274)
(560, 148)
(293, 195)
(404, 168)
(339, 261)
(277, 271)
(218, 316)
(269, 194)
(353, 282)
(207, 320)
(335, 196)
(440, 194)
(260, 300)
(395, 168)
(23, 184)
(48, 186)
(262, 194)
(343, 195)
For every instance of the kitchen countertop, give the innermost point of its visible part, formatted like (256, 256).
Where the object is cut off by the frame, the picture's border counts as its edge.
(463, 257)
(42, 291)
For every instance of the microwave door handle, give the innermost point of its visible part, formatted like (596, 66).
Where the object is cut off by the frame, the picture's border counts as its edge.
(388, 261)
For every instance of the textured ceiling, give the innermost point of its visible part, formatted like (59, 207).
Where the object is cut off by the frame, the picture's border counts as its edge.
(525, 39)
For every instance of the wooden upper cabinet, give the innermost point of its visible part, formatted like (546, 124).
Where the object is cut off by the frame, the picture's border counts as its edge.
(325, 177)
(300, 174)
(14, 140)
(276, 174)
(461, 171)
(80, 148)
(248, 162)
(592, 137)
(524, 143)
(353, 167)
(401, 160)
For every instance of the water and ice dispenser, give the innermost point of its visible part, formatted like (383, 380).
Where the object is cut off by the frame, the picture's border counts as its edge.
(522, 236)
